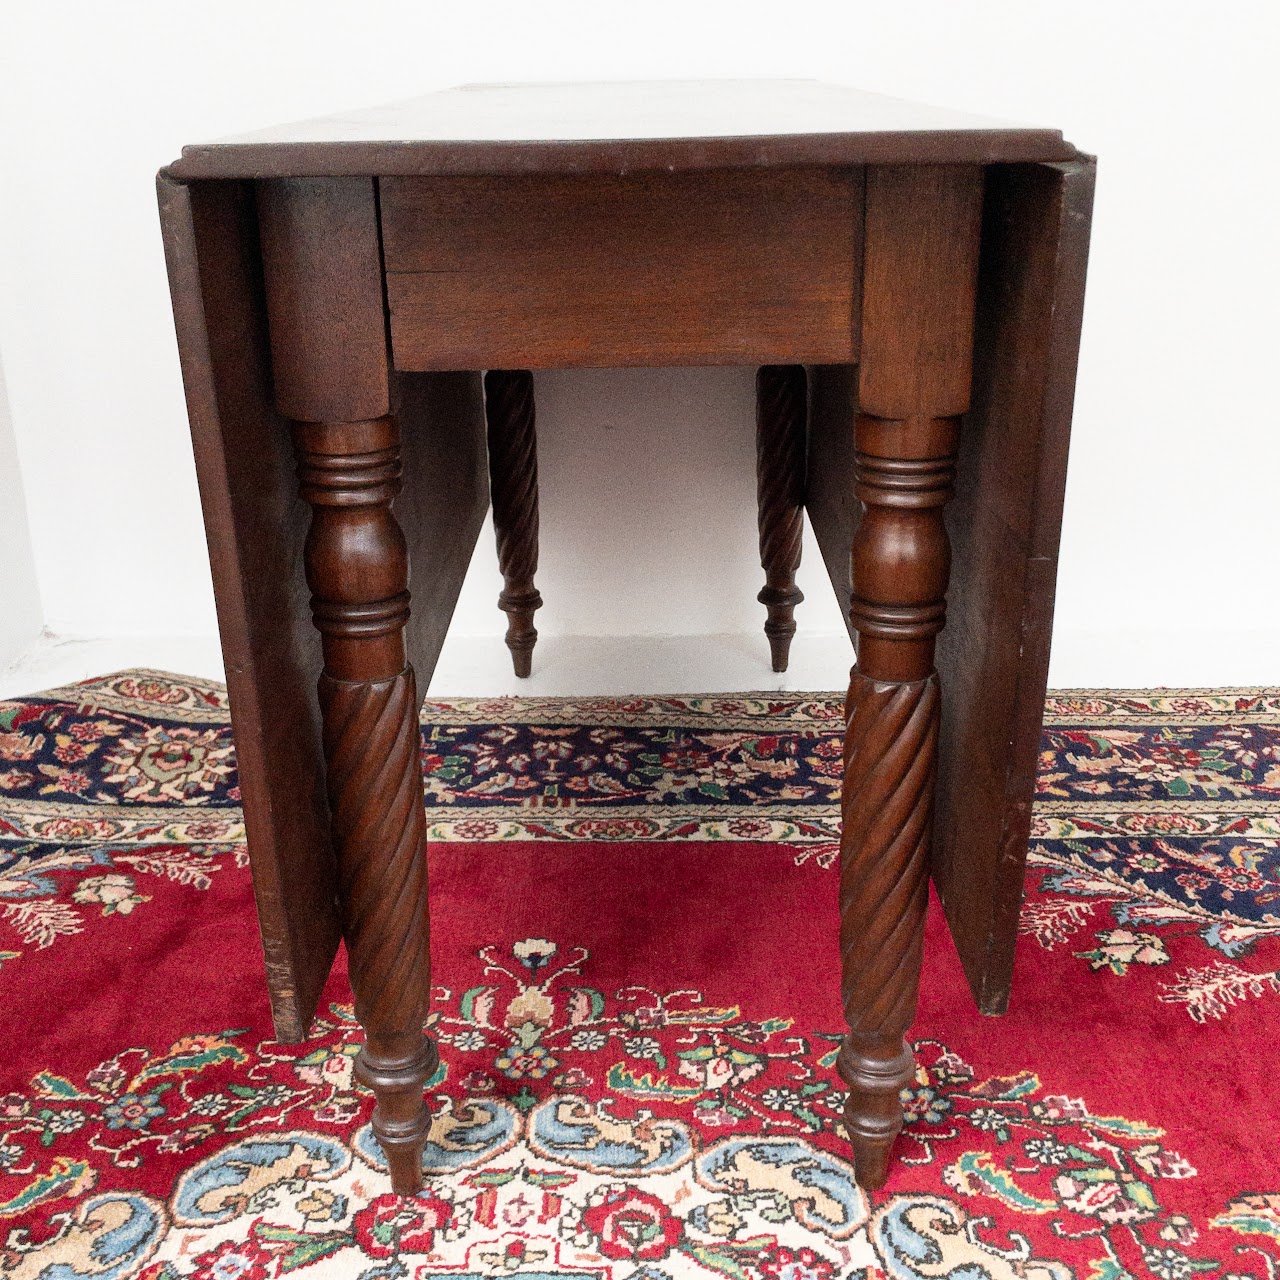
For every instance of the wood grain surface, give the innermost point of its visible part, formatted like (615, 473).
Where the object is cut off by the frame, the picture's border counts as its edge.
(327, 333)
(511, 415)
(671, 269)
(255, 526)
(443, 500)
(323, 276)
(918, 359)
(1005, 524)
(922, 235)
(782, 395)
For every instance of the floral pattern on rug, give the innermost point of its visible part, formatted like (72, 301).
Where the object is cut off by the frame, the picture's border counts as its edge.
(1157, 820)
(740, 767)
(1156, 842)
(104, 788)
(1081, 884)
(631, 1133)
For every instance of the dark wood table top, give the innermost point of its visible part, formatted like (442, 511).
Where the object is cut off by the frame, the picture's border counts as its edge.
(620, 127)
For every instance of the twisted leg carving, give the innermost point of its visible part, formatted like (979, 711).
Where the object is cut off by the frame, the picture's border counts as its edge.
(920, 266)
(357, 568)
(903, 475)
(513, 485)
(890, 759)
(781, 393)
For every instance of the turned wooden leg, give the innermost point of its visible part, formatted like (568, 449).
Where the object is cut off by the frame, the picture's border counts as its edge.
(780, 436)
(513, 485)
(890, 762)
(357, 569)
(322, 269)
(919, 277)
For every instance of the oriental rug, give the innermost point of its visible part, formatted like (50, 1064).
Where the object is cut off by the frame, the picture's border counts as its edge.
(635, 995)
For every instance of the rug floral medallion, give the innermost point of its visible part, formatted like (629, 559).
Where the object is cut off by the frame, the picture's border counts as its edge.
(635, 998)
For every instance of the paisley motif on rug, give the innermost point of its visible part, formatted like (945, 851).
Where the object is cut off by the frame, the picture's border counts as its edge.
(635, 998)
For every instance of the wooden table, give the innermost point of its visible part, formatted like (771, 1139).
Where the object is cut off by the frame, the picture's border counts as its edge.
(337, 286)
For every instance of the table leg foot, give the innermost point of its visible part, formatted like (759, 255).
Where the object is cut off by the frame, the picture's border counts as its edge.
(781, 394)
(522, 635)
(401, 1118)
(513, 486)
(875, 1074)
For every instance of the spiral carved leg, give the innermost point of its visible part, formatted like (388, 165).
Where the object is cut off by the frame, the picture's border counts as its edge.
(513, 485)
(904, 470)
(357, 568)
(890, 764)
(375, 788)
(920, 263)
(781, 393)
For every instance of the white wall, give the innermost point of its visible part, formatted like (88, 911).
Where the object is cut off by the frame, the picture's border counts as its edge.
(20, 612)
(1168, 563)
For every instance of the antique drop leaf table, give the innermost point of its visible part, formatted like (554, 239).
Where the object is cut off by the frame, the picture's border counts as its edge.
(909, 283)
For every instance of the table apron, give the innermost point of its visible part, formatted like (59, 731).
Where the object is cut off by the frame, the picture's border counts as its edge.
(729, 267)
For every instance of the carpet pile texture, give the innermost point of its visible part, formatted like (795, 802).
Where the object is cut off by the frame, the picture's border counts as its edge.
(635, 992)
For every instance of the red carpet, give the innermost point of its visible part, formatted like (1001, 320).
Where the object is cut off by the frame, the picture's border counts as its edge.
(635, 997)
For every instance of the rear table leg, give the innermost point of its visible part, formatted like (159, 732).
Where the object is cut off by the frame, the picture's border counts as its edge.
(780, 442)
(513, 484)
